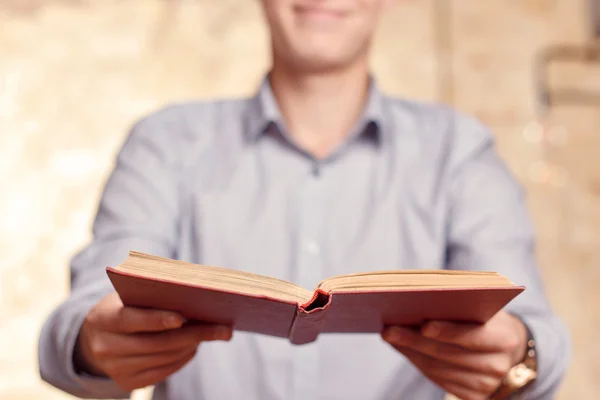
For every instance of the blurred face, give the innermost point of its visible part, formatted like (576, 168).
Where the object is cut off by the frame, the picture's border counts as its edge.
(320, 35)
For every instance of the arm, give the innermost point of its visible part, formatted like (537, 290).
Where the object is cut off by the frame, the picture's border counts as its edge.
(490, 229)
(138, 210)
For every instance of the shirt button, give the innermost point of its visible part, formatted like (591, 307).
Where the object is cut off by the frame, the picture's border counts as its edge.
(316, 169)
(312, 247)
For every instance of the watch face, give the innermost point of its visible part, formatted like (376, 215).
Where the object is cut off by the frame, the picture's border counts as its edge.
(520, 376)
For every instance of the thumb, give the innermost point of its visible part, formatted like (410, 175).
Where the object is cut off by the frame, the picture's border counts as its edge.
(113, 316)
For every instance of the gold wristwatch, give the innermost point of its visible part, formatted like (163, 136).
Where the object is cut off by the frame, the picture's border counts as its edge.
(521, 375)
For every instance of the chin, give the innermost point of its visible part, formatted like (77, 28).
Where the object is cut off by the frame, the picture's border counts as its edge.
(319, 63)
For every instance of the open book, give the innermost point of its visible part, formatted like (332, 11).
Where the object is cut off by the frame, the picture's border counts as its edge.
(355, 303)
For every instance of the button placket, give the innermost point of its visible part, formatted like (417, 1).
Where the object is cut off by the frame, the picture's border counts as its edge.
(308, 272)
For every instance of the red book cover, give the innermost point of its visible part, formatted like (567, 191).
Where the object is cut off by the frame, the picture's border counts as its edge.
(355, 312)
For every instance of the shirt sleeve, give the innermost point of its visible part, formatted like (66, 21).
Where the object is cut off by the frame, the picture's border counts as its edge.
(138, 211)
(490, 229)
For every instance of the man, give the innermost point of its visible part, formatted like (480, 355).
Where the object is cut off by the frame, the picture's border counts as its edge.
(318, 175)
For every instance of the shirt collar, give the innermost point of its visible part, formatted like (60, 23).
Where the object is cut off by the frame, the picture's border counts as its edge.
(263, 111)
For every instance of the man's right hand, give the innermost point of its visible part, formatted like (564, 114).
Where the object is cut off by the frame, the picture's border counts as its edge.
(137, 347)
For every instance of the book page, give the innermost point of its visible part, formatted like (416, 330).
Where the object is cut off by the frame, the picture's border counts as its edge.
(217, 278)
(414, 279)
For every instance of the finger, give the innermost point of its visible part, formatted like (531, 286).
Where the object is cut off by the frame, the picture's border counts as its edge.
(189, 334)
(443, 372)
(471, 336)
(159, 342)
(128, 366)
(463, 393)
(152, 376)
(111, 315)
(494, 364)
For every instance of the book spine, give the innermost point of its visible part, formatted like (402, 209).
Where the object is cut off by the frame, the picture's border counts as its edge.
(309, 319)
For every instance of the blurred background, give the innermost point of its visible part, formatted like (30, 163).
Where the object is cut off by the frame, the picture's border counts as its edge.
(75, 74)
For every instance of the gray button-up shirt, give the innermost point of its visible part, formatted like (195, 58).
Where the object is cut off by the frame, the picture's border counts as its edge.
(415, 186)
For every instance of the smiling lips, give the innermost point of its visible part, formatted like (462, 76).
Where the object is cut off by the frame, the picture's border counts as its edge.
(319, 14)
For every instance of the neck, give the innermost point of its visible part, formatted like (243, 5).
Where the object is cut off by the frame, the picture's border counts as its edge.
(320, 109)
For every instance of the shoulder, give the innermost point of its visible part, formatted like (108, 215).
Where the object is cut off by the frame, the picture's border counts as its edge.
(438, 130)
(179, 129)
(456, 149)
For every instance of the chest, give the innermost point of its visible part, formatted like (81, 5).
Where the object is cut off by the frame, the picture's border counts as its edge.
(291, 218)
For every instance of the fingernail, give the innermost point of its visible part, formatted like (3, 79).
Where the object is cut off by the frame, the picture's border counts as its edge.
(432, 330)
(223, 333)
(173, 321)
(394, 334)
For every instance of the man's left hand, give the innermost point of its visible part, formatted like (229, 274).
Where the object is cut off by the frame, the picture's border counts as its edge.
(467, 360)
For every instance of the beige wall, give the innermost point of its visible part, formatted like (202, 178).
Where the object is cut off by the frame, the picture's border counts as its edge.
(74, 75)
